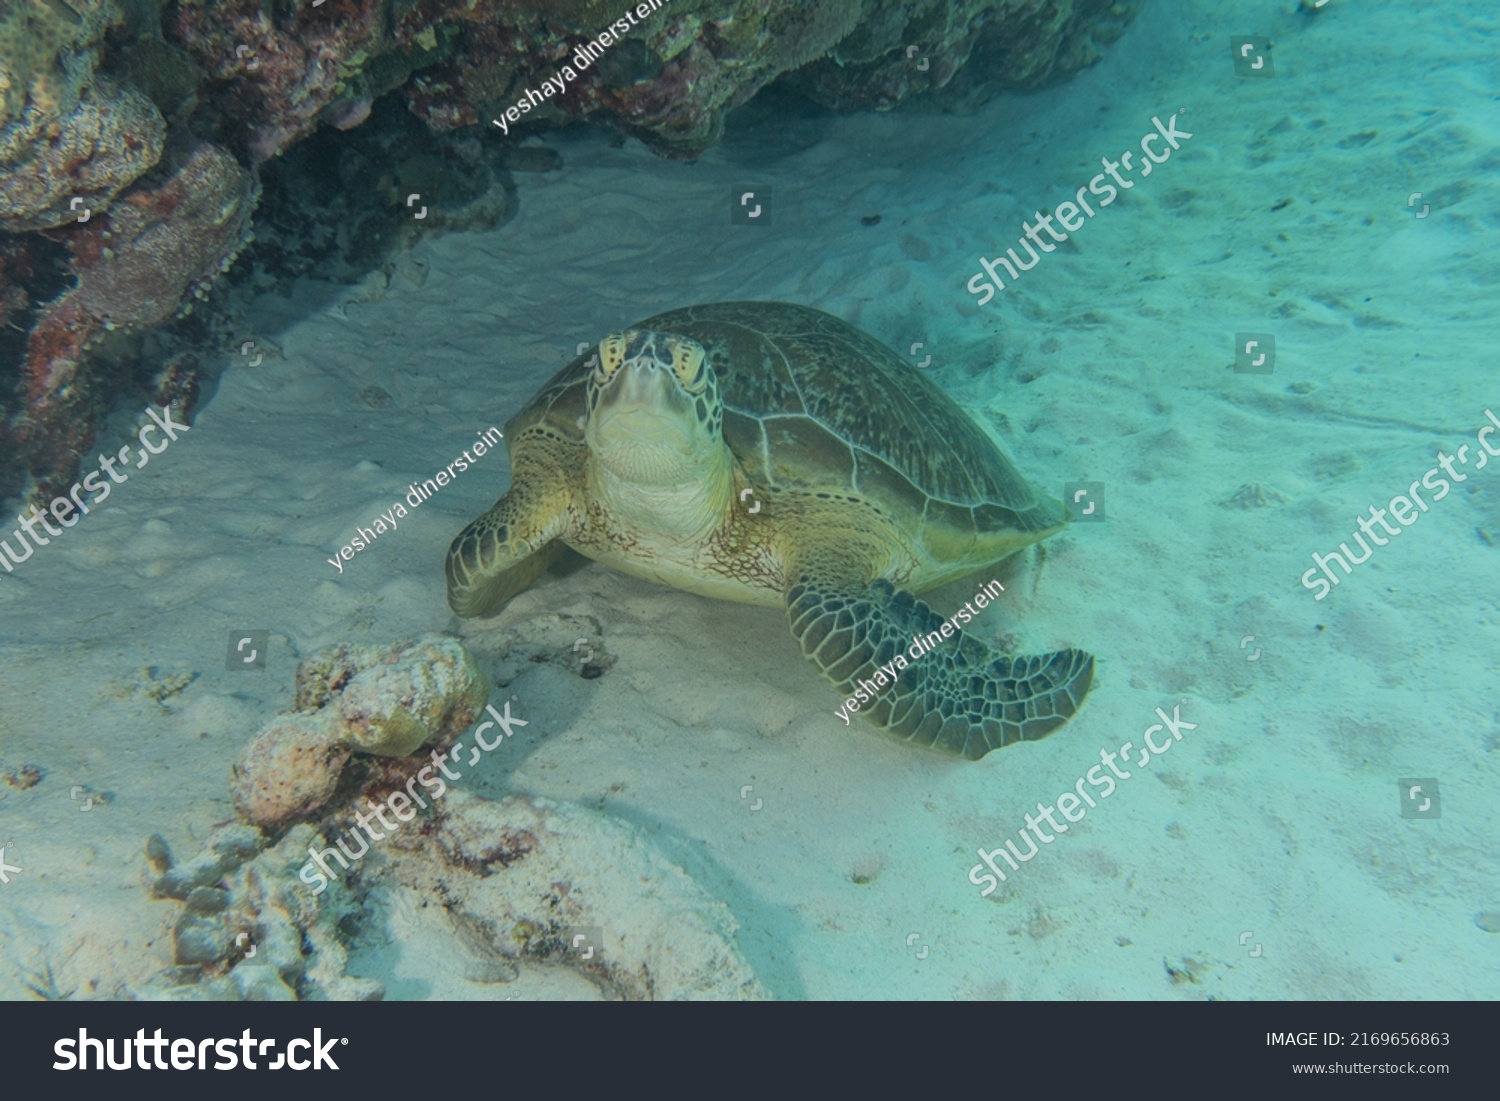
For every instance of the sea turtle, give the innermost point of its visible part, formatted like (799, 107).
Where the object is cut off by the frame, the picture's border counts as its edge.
(773, 454)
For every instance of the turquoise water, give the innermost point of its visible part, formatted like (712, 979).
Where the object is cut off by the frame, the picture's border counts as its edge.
(1264, 360)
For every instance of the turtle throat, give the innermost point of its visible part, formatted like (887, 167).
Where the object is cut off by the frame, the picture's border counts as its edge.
(652, 476)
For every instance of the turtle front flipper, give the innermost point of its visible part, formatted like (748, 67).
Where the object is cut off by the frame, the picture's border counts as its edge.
(510, 546)
(961, 697)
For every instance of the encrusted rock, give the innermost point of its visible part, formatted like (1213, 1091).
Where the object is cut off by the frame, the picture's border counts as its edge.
(322, 676)
(426, 692)
(109, 139)
(228, 847)
(169, 238)
(290, 768)
(164, 240)
(386, 701)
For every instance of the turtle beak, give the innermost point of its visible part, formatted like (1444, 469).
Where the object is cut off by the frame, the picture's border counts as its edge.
(640, 380)
(642, 408)
(644, 384)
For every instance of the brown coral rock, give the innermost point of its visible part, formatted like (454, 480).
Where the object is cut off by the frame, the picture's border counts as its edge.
(110, 138)
(426, 692)
(289, 770)
(385, 701)
(34, 34)
(167, 239)
(164, 240)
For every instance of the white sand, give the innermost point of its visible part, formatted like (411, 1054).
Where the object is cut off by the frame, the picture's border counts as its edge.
(1276, 817)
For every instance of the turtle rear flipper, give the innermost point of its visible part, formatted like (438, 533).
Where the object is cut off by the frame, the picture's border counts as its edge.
(961, 697)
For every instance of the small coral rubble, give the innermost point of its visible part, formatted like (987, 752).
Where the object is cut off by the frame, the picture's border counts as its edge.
(248, 929)
(522, 880)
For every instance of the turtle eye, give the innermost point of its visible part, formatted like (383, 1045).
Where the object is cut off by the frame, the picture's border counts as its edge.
(689, 364)
(611, 356)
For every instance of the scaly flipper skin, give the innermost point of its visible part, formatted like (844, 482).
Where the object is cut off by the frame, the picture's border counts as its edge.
(510, 546)
(962, 698)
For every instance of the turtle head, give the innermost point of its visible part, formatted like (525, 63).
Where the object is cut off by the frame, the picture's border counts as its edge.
(654, 415)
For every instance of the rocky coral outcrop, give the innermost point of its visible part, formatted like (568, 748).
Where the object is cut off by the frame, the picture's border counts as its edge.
(91, 96)
(106, 142)
(161, 244)
(272, 77)
(381, 701)
(267, 906)
(902, 48)
(71, 139)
